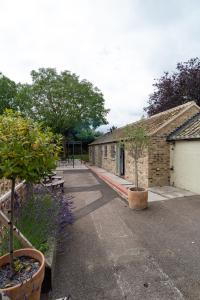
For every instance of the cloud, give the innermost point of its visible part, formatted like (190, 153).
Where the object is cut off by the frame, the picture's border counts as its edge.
(120, 46)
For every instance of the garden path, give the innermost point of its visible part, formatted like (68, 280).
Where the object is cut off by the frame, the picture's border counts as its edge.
(112, 252)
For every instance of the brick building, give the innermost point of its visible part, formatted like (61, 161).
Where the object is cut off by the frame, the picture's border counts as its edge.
(154, 167)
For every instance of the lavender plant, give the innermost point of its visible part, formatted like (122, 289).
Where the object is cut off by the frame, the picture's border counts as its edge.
(50, 211)
(27, 151)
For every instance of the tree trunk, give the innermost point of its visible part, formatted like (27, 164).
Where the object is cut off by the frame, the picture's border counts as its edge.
(136, 173)
(11, 222)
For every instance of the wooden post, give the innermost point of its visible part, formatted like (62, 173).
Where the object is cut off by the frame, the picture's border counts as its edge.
(11, 224)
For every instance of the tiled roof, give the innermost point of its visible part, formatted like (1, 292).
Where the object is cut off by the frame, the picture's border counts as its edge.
(188, 131)
(151, 124)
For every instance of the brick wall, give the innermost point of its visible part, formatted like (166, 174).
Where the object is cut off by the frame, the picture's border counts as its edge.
(107, 162)
(142, 169)
(159, 162)
(95, 155)
(159, 151)
(154, 166)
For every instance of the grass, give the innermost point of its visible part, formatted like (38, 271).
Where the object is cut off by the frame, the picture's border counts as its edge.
(4, 242)
(36, 220)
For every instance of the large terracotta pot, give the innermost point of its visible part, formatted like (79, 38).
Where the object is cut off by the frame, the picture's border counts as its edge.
(137, 199)
(30, 289)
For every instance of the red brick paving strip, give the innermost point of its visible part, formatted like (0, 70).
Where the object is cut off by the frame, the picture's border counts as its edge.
(123, 191)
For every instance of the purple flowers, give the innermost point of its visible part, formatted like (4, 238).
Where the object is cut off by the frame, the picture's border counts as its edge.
(44, 215)
(65, 215)
(41, 217)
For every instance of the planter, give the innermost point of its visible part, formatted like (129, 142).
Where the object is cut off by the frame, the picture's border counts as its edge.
(137, 199)
(32, 287)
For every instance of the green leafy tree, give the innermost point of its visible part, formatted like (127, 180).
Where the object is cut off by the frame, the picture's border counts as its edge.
(135, 141)
(8, 91)
(85, 134)
(62, 101)
(27, 152)
(23, 100)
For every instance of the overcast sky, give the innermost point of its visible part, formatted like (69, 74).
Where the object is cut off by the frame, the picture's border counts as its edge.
(118, 45)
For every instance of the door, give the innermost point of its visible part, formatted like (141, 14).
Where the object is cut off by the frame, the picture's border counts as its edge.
(185, 163)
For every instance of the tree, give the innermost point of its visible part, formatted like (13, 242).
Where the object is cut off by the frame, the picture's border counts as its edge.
(85, 134)
(8, 90)
(23, 100)
(27, 152)
(62, 101)
(135, 141)
(111, 129)
(176, 89)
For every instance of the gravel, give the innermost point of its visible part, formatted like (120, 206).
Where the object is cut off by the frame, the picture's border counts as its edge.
(25, 267)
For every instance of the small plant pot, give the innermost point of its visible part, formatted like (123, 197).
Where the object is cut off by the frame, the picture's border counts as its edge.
(137, 199)
(31, 288)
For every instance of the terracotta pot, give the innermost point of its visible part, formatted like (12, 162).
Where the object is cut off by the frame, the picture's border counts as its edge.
(137, 199)
(30, 289)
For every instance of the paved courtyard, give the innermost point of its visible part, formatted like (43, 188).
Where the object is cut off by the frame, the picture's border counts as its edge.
(112, 252)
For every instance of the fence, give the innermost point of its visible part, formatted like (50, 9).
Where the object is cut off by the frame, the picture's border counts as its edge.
(5, 185)
(5, 199)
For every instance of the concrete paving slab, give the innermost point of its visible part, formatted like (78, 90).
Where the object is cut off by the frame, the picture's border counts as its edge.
(112, 252)
(118, 179)
(155, 197)
(130, 259)
(81, 196)
(113, 177)
(171, 191)
(65, 168)
(77, 178)
(155, 193)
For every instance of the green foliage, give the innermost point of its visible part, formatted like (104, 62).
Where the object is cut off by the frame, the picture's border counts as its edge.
(85, 134)
(136, 140)
(26, 150)
(4, 241)
(62, 101)
(37, 225)
(8, 90)
(83, 157)
(23, 100)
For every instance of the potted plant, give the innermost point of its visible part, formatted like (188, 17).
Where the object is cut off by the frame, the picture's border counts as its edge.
(136, 141)
(28, 152)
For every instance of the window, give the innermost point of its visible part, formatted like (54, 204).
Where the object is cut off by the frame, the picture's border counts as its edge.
(105, 151)
(112, 151)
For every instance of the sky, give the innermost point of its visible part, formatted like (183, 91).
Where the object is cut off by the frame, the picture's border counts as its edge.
(120, 46)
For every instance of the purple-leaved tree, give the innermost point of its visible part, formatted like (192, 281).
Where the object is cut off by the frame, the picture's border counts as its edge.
(181, 86)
